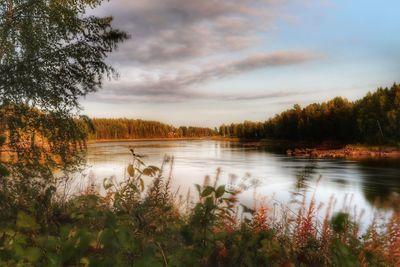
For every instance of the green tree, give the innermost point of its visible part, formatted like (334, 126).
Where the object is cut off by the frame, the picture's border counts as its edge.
(51, 54)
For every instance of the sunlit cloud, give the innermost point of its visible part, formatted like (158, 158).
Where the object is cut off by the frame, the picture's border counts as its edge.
(178, 87)
(175, 30)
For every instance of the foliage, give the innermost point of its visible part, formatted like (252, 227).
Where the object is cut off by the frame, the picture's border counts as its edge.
(139, 222)
(373, 120)
(136, 129)
(51, 54)
(378, 116)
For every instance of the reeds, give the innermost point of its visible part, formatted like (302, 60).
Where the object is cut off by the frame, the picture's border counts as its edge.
(135, 225)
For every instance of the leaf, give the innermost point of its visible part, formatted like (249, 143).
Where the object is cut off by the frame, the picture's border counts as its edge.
(141, 184)
(140, 161)
(150, 171)
(2, 140)
(32, 254)
(247, 209)
(339, 222)
(85, 261)
(207, 191)
(198, 187)
(25, 221)
(51, 243)
(220, 191)
(133, 187)
(131, 170)
(3, 171)
(107, 183)
(209, 203)
(155, 168)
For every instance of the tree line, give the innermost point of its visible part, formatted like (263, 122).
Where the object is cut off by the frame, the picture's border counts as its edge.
(135, 129)
(374, 119)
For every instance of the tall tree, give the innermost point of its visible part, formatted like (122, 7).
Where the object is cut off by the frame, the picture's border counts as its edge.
(51, 54)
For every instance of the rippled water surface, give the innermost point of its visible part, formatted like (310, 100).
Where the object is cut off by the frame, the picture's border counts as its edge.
(368, 185)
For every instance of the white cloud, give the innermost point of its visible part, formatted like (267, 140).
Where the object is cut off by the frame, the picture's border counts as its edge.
(178, 44)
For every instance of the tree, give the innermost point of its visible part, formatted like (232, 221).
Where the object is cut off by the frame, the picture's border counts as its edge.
(51, 54)
(372, 119)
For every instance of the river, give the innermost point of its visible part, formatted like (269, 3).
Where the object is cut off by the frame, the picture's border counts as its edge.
(371, 186)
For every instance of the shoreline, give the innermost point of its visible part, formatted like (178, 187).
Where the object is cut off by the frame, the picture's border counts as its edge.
(213, 138)
(293, 149)
(352, 152)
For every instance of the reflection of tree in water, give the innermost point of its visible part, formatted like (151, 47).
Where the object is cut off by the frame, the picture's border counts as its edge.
(304, 170)
(381, 183)
(305, 174)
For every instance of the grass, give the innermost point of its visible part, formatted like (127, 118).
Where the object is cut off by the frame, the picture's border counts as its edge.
(136, 225)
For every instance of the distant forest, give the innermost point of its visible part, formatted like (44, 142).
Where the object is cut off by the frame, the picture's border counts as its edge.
(136, 129)
(374, 119)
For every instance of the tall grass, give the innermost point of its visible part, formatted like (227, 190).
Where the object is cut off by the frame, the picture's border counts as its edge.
(132, 224)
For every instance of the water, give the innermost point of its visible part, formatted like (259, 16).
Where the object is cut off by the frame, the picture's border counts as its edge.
(367, 185)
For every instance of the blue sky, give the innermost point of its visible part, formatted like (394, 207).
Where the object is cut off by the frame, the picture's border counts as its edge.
(211, 62)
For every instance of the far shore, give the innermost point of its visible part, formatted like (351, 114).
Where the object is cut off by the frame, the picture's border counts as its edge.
(216, 138)
(291, 148)
(356, 152)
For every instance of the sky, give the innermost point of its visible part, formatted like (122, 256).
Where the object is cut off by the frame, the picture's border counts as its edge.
(209, 62)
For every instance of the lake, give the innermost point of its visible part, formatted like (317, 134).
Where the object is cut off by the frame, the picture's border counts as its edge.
(366, 185)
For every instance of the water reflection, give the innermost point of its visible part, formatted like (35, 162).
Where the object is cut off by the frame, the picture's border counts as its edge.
(381, 183)
(371, 185)
(305, 174)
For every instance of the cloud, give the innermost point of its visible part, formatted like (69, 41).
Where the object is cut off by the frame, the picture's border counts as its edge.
(178, 45)
(178, 87)
(176, 30)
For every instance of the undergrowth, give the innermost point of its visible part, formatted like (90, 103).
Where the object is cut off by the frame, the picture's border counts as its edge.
(142, 222)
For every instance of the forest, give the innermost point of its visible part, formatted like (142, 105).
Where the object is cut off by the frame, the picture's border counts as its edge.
(374, 119)
(136, 129)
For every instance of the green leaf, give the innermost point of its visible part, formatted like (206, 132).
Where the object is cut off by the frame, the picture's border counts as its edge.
(339, 222)
(220, 191)
(107, 183)
(133, 187)
(32, 254)
(198, 187)
(3, 171)
(207, 191)
(85, 261)
(2, 139)
(247, 209)
(25, 221)
(209, 203)
(51, 243)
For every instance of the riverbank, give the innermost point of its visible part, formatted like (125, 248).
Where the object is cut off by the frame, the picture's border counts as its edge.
(347, 152)
(296, 149)
(214, 138)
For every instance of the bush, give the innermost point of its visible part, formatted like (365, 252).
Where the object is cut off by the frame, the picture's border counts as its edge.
(136, 225)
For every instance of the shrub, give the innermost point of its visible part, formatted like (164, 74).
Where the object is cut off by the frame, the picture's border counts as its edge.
(139, 222)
